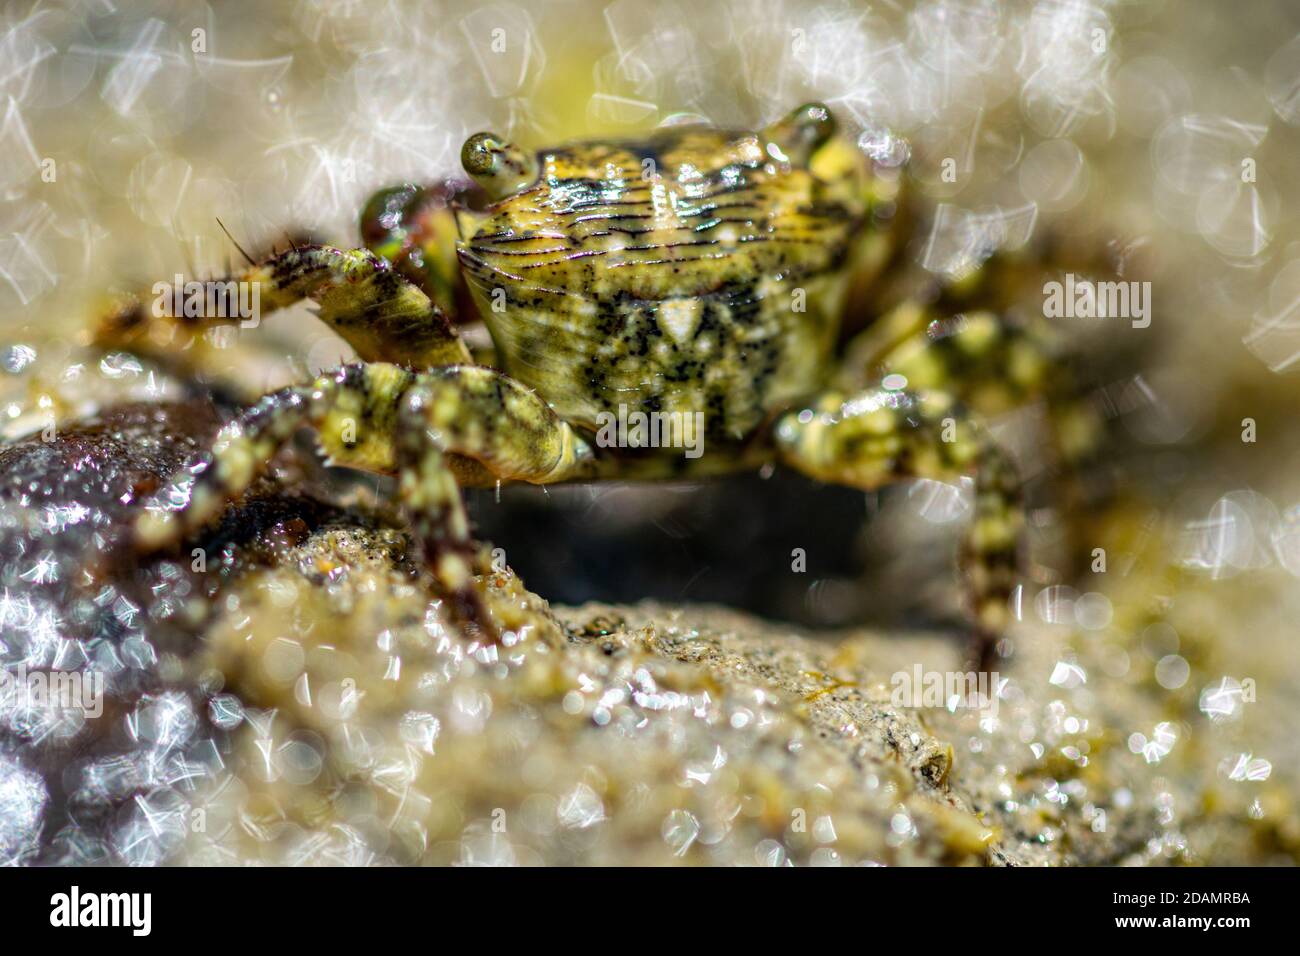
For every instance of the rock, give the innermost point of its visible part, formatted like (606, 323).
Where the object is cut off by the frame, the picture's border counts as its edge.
(302, 698)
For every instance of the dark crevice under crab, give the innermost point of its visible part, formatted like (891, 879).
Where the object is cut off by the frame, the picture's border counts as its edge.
(696, 271)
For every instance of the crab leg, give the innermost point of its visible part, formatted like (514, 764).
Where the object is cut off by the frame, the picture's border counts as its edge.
(881, 436)
(426, 427)
(987, 360)
(368, 303)
(479, 414)
(997, 362)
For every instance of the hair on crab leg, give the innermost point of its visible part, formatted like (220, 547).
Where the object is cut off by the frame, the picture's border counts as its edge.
(247, 258)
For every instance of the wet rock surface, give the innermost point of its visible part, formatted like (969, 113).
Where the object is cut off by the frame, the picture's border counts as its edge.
(298, 696)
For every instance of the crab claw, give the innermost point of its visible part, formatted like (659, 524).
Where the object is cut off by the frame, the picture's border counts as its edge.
(499, 167)
(798, 135)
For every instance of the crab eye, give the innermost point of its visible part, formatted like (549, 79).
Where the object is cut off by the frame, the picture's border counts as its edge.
(798, 135)
(500, 167)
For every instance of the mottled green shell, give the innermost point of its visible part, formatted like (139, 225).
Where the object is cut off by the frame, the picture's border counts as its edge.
(696, 271)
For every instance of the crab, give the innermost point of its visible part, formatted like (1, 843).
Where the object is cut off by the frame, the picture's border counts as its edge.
(698, 275)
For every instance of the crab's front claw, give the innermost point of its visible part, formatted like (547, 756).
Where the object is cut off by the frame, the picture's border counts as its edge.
(414, 228)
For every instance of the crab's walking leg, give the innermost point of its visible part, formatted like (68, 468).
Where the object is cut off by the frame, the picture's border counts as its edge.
(368, 303)
(990, 362)
(494, 429)
(997, 362)
(880, 436)
(426, 427)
